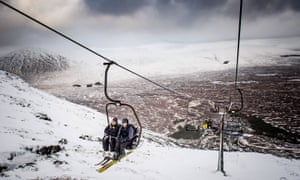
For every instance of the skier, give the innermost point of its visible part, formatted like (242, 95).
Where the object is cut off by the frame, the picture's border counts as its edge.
(205, 125)
(126, 136)
(110, 136)
(209, 124)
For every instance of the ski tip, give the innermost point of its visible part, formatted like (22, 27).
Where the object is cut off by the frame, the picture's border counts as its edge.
(111, 163)
(100, 170)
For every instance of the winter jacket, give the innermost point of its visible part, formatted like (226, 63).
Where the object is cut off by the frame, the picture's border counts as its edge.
(112, 130)
(126, 134)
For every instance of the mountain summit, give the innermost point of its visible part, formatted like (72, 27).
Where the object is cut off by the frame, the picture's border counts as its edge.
(28, 63)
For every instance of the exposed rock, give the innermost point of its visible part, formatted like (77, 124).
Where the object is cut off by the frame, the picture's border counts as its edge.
(48, 150)
(3, 168)
(59, 162)
(27, 164)
(43, 116)
(98, 83)
(89, 138)
(63, 141)
(290, 55)
(12, 156)
(76, 85)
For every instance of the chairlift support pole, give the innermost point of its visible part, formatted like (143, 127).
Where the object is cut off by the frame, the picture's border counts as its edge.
(221, 147)
(228, 109)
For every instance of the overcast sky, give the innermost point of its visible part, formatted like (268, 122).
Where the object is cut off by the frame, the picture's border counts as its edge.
(118, 23)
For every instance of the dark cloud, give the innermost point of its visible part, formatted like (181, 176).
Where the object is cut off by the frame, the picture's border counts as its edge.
(141, 20)
(128, 7)
(271, 6)
(201, 5)
(115, 7)
(16, 29)
(208, 7)
(252, 8)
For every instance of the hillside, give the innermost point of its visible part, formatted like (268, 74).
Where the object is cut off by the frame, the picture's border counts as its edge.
(43, 137)
(28, 63)
(268, 76)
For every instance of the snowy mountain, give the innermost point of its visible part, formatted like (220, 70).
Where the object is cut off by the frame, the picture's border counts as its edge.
(43, 137)
(30, 62)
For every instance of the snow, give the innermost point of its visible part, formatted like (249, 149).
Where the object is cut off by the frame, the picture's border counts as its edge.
(32, 61)
(151, 60)
(295, 80)
(230, 83)
(157, 157)
(192, 164)
(266, 75)
(179, 58)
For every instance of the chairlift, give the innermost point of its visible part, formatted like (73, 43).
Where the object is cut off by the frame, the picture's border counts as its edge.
(233, 128)
(201, 109)
(119, 104)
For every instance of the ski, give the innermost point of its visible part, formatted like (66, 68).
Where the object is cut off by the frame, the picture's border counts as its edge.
(111, 163)
(104, 161)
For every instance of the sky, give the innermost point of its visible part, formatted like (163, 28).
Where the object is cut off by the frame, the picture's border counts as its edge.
(104, 24)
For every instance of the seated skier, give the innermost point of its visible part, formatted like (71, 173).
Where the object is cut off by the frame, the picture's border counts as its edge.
(126, 136)
(110, 136)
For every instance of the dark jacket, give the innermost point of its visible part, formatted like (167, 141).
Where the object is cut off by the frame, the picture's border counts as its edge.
(112, 130)
(126, 134)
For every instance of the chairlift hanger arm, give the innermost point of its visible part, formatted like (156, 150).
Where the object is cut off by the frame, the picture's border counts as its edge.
(242, 100)
(237, 59)
(108, 64)
(237, 62)
(107, 109)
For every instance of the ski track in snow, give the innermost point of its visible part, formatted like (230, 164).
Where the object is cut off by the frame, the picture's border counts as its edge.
(155, 159)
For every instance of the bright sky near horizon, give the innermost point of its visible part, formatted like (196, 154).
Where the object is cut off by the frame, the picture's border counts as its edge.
(112, 27)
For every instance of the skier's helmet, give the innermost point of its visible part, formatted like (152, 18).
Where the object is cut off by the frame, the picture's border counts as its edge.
(125, 120)
(114, 120)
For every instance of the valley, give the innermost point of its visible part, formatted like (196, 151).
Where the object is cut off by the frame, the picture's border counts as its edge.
(270, 93)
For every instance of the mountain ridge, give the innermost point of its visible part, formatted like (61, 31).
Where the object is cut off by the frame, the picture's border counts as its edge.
(30, 62)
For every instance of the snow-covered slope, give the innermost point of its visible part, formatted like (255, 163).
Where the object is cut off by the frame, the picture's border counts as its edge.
(29, 62)
(32, 121)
